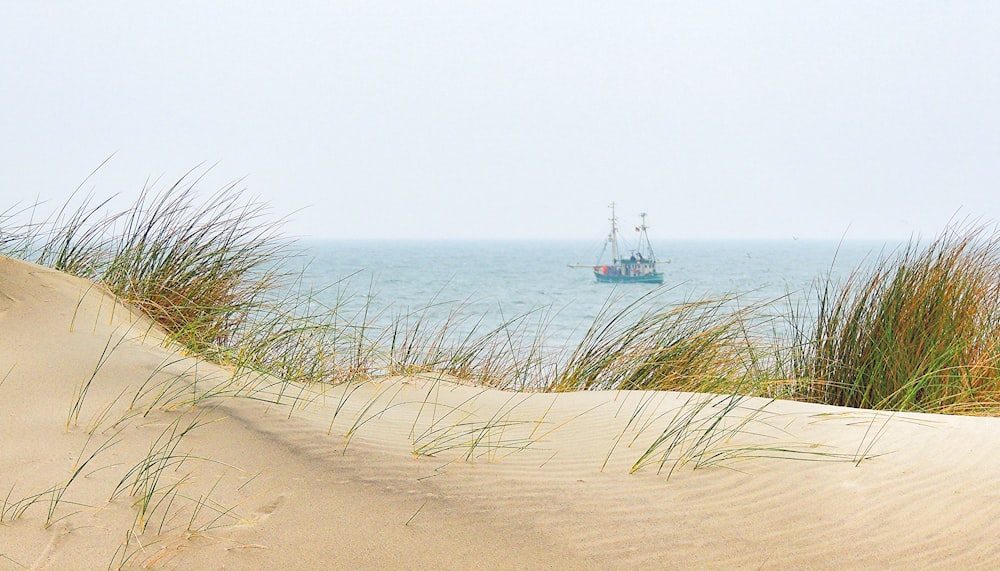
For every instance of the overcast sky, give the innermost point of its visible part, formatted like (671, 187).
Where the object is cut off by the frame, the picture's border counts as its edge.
(519, 119)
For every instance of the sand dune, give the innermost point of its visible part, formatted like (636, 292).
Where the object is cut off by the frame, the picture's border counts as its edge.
(171, 463)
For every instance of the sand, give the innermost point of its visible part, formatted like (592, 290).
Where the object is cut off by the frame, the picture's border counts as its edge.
(424, 473)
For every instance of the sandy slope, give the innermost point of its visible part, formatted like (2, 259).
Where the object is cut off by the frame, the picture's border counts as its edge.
(427, 474)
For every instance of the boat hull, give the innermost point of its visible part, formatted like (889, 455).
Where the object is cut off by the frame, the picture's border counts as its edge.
(653, 278)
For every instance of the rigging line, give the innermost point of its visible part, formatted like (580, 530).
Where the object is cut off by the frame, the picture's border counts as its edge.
(604, 248)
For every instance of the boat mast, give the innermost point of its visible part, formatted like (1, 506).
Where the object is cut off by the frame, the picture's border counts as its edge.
(644, 237)
(613, 237)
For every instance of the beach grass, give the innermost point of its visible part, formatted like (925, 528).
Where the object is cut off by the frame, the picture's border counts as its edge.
(918, 330)
(698, 346)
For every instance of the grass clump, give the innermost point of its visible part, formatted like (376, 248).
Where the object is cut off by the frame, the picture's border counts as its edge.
(212, 272)
(196, 268)
(918, 332)
(704, 346)
(509, 355)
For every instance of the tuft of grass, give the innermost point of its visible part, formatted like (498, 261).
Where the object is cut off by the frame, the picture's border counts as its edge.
(415, 342)
(475, 438)
(144, 481)
(696, 346)
(711, 430)
(299, 339)
(918, 332)
(212, 271)
(13, 510)
(197, 268)
(511, 356)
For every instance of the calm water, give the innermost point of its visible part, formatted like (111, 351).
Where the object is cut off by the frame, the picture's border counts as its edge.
(497, 280)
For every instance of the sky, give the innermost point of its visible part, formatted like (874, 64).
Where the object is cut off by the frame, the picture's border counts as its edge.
(722, 120)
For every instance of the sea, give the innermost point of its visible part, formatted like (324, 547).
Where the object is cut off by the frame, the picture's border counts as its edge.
(480, 284)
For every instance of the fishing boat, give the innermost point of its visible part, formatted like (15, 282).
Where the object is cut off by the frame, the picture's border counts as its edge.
(638, 266)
